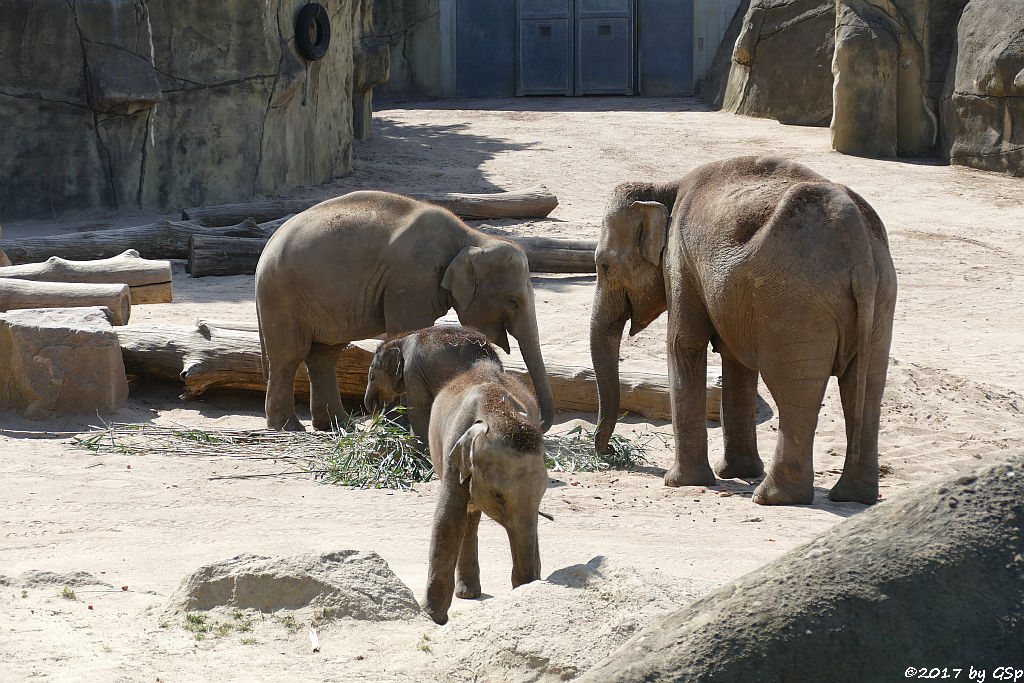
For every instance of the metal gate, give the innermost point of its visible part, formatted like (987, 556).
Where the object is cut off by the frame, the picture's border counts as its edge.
(575, 47)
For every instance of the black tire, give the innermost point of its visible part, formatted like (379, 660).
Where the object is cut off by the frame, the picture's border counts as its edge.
(312, 31)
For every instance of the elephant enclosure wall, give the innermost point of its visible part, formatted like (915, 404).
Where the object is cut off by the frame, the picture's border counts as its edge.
(161, 104)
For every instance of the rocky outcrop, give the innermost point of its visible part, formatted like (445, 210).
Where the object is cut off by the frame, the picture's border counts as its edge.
(411, 29)
(60, 360)
(983, 106)
(781, 62)
(345, 583)
(161, 104)
(935, 576)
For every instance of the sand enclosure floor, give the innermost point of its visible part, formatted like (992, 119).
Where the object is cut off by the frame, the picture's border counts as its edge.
(145, 522)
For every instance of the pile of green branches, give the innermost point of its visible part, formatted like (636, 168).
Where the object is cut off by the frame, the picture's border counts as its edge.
(574, 452)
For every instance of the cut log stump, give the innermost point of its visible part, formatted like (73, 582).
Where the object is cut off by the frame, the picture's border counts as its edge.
(227, 355)
(18, 294)
(149, 281)
(536, 202)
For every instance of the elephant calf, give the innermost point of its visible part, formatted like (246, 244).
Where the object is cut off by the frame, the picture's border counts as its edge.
(488, 451)
(784, 273)
(418, 364)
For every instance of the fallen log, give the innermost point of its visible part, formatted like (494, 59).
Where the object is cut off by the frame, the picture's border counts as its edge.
(228, 356)
(210, 255)
(149, 281)
(536, 202)
(18, 294)
(160, 240)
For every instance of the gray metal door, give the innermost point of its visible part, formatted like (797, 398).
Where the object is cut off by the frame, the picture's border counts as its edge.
(545, 47)
(666, 48)
(485, 48)
(604, 47)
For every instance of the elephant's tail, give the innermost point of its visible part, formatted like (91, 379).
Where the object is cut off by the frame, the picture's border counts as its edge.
(263, 346)
(865, 287)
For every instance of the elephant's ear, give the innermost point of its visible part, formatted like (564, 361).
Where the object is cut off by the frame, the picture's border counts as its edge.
(653, 227)
(462, 452)
(460, 278)
(393, 363)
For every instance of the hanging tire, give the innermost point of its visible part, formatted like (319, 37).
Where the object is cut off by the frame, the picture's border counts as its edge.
(312, 31)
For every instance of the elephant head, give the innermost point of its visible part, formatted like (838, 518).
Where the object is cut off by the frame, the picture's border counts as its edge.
(491, 289)
(386, 376)
(507, 484)
(630, 285)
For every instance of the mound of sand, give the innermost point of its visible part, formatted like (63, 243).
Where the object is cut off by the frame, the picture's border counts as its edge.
(932, 577)
(344, 583)
(555, 629)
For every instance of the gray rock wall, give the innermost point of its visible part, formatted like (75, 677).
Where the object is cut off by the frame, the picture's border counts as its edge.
(412, 31)
(161, 104)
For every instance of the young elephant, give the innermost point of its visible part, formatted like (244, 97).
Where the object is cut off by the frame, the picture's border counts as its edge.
(487, 449)
(784, 273)
(418, 364)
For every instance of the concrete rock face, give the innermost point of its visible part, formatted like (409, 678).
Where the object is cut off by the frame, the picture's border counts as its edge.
(60, 360)
(983, 107)
(935, 576)
(411, 29)
(161, 104)
(348, 583)
(781, 62)
(553, 630)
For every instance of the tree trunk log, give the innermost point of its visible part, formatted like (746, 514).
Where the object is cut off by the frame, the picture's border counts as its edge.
(16, 294)
(150, 281)
(536, 202)
(239, 255)
(161, 240)
(228, 356)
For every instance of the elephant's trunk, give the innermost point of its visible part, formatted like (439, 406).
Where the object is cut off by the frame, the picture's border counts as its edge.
(526, 334)
(607, 319)
(525, 552)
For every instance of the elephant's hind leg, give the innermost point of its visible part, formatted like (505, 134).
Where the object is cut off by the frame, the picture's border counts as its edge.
(859, 482)
(467, 575)
(280, 402)
(324, 397)
(739, 418)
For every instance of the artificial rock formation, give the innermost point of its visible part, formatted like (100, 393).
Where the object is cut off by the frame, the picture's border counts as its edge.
(60, 360)
(934, 576)
(780, 64)
(163, 104)
(983, 103)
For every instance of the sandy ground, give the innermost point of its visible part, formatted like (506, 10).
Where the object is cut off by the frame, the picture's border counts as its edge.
(145, 522)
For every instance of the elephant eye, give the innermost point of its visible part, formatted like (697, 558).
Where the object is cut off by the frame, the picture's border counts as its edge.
(512, 302)
(499, 499)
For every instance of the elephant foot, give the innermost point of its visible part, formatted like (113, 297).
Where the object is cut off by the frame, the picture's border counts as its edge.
(690, 475)
(293, 425)
(770, 492)
(849, 489)
(739, 467)
(467, 590)
(439, 616)
(329, 424)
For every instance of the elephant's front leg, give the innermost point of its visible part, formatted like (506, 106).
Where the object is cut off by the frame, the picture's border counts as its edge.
(739, 421)
(687, 375)
(467, 584)
(450, 521)
(324, 397)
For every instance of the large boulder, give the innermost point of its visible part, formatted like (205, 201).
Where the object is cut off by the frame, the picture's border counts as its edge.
(344, 583)
(60, 360)
(164, 104)
(553, 630)
(932, 579)
(983, 107)
(781, 62)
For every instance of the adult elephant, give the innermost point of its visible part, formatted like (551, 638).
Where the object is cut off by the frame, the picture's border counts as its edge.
(371, 262)
(783, 272)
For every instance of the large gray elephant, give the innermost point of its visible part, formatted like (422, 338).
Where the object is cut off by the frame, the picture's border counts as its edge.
(371, 262)
(784, 273)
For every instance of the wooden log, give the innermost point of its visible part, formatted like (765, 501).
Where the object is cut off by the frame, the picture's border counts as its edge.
(210, 255)
(536, 202)
(160, 240)
(228, 356)
(16, 294)
(149, 281)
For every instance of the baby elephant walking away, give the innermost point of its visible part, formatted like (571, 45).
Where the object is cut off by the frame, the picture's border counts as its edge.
(487, 449)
